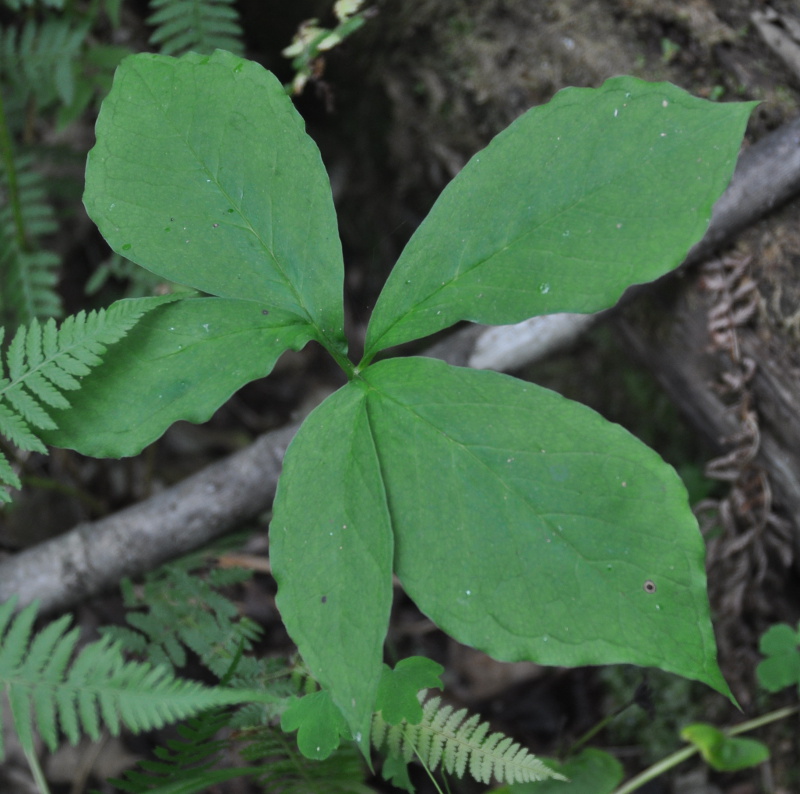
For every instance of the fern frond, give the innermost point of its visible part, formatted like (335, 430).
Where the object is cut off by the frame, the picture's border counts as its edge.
(446, 737)
(185, 765)
(47, 688)
(140, 282)
(199, 25)
(284, 770)
(28, 274)
(183, 609)
(16, 5)
(43, 361)
(39, 61)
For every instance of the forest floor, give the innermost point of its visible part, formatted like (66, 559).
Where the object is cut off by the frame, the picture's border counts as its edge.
(399, 109)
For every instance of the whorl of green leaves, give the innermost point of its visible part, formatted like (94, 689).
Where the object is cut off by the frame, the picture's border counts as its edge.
(199, 25)
(48, 689)
(446, 737)
(43, 361)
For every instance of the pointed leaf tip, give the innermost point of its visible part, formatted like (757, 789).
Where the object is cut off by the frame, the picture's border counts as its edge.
(543, 220)
(520, 516)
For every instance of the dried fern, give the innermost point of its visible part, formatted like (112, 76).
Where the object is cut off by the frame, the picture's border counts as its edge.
(199, 25)
(47, 689)
(43, 361)
(448, 738)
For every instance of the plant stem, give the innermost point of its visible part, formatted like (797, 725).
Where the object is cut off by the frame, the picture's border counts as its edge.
(764, 719)
(342, 360)
(657, 769)
(597, 727)
(665, 764)
(36, 769)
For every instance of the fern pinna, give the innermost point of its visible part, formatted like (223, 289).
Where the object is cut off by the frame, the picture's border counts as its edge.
(446, 737)
(199, 25)
(179, 606)
(43, 361)
(186, 765)
(39, 62)
(28, 272)
(196, 761)
(48, 689)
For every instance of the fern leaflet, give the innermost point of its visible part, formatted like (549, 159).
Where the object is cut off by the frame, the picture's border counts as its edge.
(178, 608)
(185, 765)
(44, 361)
(40, 61)
(27, 274)
(284, 770)
(199, 25)
(16, 5)
(445, 737)
(47, 688)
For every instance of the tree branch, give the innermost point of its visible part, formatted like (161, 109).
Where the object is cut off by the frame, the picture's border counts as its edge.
(95, 556)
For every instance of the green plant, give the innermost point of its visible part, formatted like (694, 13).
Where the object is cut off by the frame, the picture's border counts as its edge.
(180, 607)
(39, 673)
(594, 771)
(197, 25)
(43, 361)
(669, 50)
(50, 691)
(176, 608)
(51, 71)
(28, 273)
(459, 743)
(521, 523)
(781, 668)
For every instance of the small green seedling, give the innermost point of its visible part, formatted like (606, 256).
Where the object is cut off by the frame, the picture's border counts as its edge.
(594, 771)
(723, 752)
(781, 645)
(522, 523)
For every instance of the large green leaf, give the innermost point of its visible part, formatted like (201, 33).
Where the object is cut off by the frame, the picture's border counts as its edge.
(331, 553)
(181, 361)
(572, 203)
(203, 174)
(528, 526)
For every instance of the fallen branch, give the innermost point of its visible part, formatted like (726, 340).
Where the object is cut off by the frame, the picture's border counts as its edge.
(93, 557)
